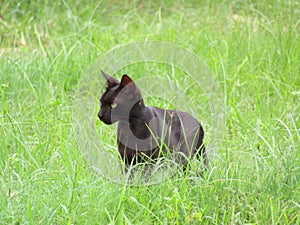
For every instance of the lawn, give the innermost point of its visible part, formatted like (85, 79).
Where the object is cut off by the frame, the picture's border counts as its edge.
(251, 50)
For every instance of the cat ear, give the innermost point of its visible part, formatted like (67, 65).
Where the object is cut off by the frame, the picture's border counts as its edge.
(130, 88)
(110, 80)
(126, 80)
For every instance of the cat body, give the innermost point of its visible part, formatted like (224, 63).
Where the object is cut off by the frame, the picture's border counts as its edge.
(146, 133)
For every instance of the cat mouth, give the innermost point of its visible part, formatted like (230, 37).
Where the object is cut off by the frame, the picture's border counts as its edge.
(107, 122)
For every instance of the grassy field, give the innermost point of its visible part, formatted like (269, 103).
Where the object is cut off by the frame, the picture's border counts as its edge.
(251, 47)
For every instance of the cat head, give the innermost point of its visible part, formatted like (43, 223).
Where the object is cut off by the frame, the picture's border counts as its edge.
(118, 99)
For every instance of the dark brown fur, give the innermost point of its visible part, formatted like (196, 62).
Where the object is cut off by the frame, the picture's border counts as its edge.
(146, 132)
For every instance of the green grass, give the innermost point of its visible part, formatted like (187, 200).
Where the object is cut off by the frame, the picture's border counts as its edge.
(251, 47)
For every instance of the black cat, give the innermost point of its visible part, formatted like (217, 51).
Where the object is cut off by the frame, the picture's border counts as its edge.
(146, 133)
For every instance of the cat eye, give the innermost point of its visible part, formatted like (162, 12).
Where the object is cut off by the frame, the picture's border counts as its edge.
(113, 105)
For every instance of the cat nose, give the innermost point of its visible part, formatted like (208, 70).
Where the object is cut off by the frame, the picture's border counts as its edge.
(100, 115)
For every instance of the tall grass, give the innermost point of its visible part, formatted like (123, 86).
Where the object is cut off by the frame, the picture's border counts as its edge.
(252, 48)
